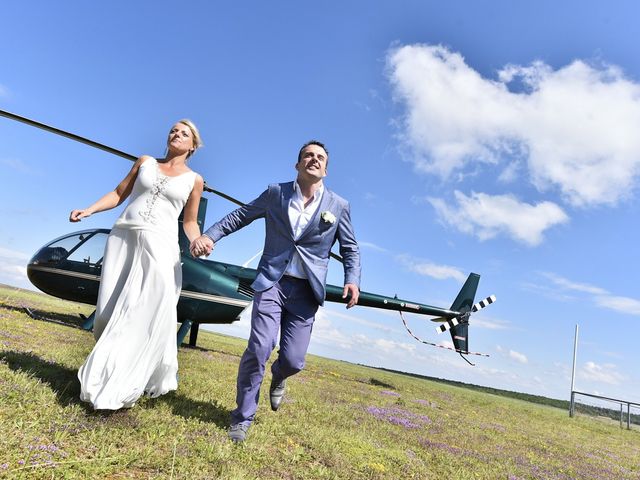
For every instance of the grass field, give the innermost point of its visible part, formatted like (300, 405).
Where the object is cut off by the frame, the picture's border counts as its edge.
(339, 420)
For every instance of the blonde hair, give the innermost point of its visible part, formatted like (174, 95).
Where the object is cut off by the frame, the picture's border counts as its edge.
(197, 140)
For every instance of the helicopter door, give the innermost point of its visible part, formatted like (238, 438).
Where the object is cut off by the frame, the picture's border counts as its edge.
(85, 262)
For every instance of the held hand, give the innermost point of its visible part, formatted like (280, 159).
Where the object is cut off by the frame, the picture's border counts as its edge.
(202, 245)
(77, 215)
(353, 291)
(194, 248)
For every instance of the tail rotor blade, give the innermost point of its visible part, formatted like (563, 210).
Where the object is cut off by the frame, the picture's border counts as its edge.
(483, 303)
(447, 325)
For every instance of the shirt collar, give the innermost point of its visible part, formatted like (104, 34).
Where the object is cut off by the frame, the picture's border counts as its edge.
(316, 195)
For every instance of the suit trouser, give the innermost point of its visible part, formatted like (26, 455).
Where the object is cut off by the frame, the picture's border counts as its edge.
(289, 306)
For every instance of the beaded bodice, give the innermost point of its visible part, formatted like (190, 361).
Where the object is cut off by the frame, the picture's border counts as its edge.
(156, 200)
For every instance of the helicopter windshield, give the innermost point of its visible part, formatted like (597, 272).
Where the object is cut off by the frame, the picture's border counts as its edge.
(83, 247)
(90, 251)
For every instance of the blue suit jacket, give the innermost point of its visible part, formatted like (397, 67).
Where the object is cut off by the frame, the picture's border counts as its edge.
(313, 245)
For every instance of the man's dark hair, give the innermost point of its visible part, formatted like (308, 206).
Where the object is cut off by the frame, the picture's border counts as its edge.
(313, 142)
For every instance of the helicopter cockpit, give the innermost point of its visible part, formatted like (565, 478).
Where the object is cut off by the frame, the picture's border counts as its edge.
(69, 267)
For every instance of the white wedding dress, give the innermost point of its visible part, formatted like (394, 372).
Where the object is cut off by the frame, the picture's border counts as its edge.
(135, 320)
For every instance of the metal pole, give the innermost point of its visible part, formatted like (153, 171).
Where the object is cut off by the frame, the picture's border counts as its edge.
(572, 404)
(621, 414)
(628, 416)
(573, 372)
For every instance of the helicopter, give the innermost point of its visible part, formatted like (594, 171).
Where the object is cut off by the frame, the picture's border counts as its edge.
(69, 267)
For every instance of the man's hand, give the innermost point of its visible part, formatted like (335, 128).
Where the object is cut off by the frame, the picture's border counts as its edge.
(352, 290)
(201, 246)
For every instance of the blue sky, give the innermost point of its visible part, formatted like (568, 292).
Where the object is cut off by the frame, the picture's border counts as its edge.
(490, 137)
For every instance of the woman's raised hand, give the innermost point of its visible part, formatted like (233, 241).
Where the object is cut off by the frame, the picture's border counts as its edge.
(77, 215)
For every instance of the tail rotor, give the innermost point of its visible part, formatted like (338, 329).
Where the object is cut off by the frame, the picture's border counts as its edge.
(458, 325)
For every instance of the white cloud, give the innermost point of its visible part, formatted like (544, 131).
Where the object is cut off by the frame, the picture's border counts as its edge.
(487, 216)
(385, 346)
(4, 91)
(13, 268)
(333, 312)
(440, 272)
(481, 322)
(446, 344)
(369, 196)
(601, 373)
(600, 296)
(372, 246)
(241, 328)
(13, 275)
(518, 357)
(19, 166)
(568, 284)
(369, 347)
(249, 260)
(548, 292)
(324, 332)
(575, 127)
(7, 254)
(626, 305)
(510, 173)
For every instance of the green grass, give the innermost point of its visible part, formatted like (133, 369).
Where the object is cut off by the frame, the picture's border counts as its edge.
(339, 420)
(587, 409)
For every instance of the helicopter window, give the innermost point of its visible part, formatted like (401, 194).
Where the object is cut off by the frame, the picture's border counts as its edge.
(91, 251)
(57, 251)
(66, 244)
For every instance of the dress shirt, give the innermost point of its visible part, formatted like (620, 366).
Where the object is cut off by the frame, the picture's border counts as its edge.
(299, 217)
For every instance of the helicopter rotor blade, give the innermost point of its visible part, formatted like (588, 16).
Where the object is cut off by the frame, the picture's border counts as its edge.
(94, 144)
(114, 151)
(223, 195)
(72, 136)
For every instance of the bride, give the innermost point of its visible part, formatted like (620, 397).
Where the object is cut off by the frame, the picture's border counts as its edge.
(135, 320)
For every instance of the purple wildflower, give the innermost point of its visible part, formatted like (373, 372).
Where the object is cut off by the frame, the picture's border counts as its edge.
(440, 446)
(493, 426)
(389, 392)
(403, 422)
(46, 448)
(398, 416)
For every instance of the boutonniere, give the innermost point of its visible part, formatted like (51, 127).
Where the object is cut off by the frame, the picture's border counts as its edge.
(328, 217)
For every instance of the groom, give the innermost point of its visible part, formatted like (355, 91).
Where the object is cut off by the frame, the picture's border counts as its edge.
(303, 220)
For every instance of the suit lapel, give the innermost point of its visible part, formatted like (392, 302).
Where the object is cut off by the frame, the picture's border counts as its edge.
(285, 197)
(325, 203)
